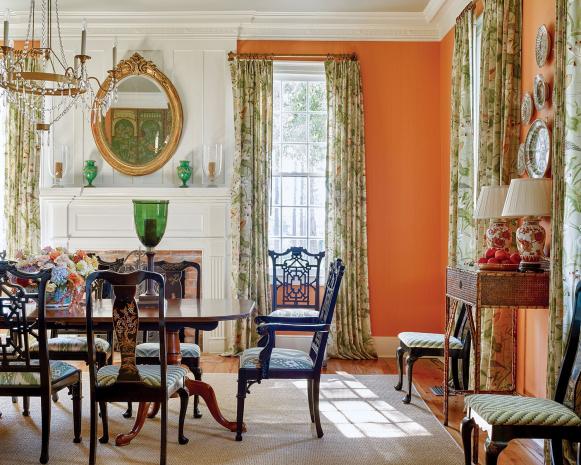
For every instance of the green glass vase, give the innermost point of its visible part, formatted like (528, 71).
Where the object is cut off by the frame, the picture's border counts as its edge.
(184, 172)
(150, 217)
(90, 172)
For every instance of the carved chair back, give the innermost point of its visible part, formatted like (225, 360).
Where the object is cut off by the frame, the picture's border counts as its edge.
(295, 275)
(319, 342)
(125, 314)
(21, 329)
(175, 277)
(568, 390)
(104, 289)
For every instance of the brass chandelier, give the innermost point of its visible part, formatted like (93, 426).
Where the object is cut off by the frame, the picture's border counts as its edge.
(39, 80)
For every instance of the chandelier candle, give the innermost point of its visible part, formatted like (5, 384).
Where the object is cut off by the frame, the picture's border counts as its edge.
(84, 37)
(114, 52)
(6, 26)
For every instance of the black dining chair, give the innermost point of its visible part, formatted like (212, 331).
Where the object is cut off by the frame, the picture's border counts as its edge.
(21, 373)
(507, 417)
(267, 361)
(129, 381)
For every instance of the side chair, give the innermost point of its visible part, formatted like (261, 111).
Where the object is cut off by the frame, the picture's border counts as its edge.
(130, 382)
(296, 274)
(418, 345)
(507, 417)
(21, 374)
(175, 288)
(268, 361)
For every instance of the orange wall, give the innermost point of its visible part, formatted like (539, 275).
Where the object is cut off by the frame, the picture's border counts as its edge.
(405, 177)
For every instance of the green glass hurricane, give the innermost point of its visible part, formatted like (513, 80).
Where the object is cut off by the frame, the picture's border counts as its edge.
(150, 218)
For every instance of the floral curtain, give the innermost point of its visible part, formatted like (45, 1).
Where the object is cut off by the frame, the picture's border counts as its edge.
(566, 168)
(461, 228)
(22, 178)
(346, 222)
(500, 71)
(252, 92)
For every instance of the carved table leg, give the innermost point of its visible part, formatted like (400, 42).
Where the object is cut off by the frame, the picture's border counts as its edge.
(125, 439)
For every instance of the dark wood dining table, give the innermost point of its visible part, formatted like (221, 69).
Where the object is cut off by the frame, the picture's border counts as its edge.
(202, 314)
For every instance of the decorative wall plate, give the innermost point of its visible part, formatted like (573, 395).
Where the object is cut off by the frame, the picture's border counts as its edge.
(540, 92)
(542, 46)
(538, 149)
(521, 165)
(526, 108)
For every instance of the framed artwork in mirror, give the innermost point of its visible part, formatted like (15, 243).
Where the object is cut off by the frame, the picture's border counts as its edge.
(141, 131)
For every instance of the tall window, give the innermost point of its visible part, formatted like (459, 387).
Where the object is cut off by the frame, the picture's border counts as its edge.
(299, 148)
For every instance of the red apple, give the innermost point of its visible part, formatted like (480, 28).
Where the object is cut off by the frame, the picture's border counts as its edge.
(483, 260)
(515, 258)
(506, 261)
(501, 255)
(493, 260)
(490, 253)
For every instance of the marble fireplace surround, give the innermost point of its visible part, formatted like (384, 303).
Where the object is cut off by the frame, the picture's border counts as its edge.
(101, 220)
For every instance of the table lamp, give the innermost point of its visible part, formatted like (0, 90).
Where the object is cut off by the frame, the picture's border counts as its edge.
(489, 207)
(529, 199)
(150, 217)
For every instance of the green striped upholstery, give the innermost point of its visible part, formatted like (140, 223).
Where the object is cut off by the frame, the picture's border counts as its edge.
(73, 344)
(151, 349)
(428, 341)
(58, 369)
(150, 375)
(519, 411)
(295, 313)
(280, 359)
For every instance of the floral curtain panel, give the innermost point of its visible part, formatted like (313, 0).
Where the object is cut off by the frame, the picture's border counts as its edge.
(566, 168)
(346, 209)
(22, 178)
(500, 71)
(461, 229)
(252, 92)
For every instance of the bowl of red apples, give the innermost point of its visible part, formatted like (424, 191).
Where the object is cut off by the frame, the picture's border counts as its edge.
(499, 260)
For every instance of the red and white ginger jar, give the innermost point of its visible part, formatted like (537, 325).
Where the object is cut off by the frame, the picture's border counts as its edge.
(530, 240)
(498, 235)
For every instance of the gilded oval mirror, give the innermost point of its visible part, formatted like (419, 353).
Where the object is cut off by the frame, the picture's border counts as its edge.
(141, 130)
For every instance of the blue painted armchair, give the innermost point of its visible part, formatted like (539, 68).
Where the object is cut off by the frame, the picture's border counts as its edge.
(268, 361)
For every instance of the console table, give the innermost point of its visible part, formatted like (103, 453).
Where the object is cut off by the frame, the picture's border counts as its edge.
(479, 289)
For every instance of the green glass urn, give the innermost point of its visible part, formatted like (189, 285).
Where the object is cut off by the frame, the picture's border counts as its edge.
(184, 172)
(90, 172)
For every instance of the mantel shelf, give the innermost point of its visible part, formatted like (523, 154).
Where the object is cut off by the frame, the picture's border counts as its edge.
(191, 193)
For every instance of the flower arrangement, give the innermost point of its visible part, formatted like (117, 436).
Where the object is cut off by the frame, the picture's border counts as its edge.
(68, 272)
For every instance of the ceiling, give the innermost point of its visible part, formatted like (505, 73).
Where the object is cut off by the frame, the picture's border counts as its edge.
(307, 6)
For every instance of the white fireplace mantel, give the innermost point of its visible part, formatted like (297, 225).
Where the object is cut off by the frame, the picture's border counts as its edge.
(101, 218)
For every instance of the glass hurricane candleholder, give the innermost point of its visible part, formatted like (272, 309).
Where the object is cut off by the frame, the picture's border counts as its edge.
(150, 218)
(212, 161)
(58, 167)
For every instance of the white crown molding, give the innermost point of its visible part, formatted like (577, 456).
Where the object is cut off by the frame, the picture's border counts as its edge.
(428, 25)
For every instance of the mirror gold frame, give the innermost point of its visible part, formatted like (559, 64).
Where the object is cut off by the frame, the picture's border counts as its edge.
(136, 65)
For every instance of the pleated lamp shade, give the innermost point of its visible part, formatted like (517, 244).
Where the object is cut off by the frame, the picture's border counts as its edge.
(490, 202)
(528, 197)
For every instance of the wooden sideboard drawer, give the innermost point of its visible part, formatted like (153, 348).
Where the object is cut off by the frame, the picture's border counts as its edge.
(462, 284)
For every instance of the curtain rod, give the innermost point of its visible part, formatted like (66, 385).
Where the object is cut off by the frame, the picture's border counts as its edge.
(309, 56)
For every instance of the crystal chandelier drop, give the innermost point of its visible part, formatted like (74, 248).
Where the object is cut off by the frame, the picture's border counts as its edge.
(39, 80)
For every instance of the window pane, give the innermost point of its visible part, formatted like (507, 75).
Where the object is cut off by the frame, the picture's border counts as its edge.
(294, 127)
(294, 96)
(275, 194)
(317, 96)
(275, 159)
(273, 244)
(294, 222)
(294, 158)
(294, 191)
(316, 223)
(317, 127)
(276, 122)
(286, 243)
(274, 221)
(317, 191)
(315, 246)
(317, 158)
(276, 97)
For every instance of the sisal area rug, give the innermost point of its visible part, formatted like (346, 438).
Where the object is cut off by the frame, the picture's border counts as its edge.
(364, 421)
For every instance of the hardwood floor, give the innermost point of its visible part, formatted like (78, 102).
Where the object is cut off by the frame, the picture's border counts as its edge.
(427, 373)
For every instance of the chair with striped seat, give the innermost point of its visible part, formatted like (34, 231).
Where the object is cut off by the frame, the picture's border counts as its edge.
(130, 382)
(21, 374)
(417, 345)
(506, 417)
(268, 361)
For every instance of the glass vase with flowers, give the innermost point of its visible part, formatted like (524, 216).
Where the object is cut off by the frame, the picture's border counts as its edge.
(68, 273)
